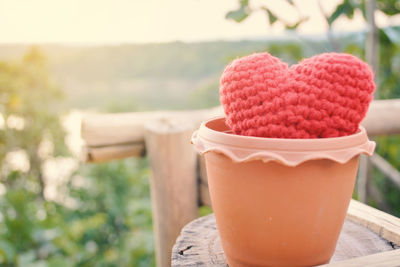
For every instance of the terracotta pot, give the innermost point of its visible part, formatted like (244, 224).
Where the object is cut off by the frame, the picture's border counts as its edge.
(279, 202)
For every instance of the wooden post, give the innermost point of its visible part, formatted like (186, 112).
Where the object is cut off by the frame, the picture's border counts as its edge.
(372, 42)
(363, 178)
(173, 182)
(372, 57)
(203, 182)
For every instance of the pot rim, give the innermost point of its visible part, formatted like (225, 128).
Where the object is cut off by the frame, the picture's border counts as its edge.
(215, 135)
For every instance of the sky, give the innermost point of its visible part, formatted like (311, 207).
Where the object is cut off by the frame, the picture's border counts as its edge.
(145, 21)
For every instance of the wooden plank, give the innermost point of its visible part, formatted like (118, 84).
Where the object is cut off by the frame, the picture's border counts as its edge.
(381, 117)
(115, 128)
(173, 182)
(384, 259)
(101, 154)
(385, 225)
(391, 172)
(125, 128)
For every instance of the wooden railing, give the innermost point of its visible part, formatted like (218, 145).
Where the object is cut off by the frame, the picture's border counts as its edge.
(178, 178)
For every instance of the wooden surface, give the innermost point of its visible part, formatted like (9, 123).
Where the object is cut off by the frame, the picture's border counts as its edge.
(380, 119)
(107, 153)
(199, 244)
(100, 130)
(385, 225)
(384, 259)
(116, 130)
(173, 182)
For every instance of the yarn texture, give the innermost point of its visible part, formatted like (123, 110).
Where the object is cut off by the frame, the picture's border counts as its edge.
(327, 95)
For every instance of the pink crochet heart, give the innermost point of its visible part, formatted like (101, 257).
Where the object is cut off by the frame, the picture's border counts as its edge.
(323, 96)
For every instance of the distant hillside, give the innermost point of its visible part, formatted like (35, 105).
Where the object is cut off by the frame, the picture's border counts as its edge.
(152, 76)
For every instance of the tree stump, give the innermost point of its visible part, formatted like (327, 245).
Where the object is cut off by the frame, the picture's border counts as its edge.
(199, 244)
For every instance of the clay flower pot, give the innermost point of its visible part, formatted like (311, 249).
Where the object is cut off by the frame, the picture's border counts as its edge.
(279, 202)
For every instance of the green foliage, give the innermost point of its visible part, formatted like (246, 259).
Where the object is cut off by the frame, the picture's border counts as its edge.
(105, 219)
(113, 218)
(272, 18)
(27, 96)
(204, 211)
(389, 7)
(25, 89)
(244, 11)
(241, 13)
(389, 148)
(289, 52)
(346, 8)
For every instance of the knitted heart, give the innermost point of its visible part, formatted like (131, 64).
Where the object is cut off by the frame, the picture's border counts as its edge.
(323, 96)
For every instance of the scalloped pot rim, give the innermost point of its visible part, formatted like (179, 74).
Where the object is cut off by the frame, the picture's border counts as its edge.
(215, 135)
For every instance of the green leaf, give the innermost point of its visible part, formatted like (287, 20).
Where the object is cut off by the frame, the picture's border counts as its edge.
(290, 2)
(384, 39)
(345, 8)
(295, 25)
(389, 7)
(238, 15)
(271, 16)
(204, 211)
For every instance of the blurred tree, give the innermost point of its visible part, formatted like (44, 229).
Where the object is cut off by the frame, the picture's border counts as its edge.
(245, 9)
(112, 224)
(29, 115)
(107, 220)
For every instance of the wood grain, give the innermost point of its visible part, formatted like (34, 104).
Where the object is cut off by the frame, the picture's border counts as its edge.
(385, 225)
(199, 244)
(384, 259)
(380, 119)
(107, 153)
(173, 182)
(124, 128)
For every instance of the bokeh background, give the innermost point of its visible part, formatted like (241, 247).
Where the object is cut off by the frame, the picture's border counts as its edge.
(60, 60)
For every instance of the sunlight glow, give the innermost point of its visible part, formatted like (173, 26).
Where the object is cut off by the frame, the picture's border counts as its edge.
(123, 21)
